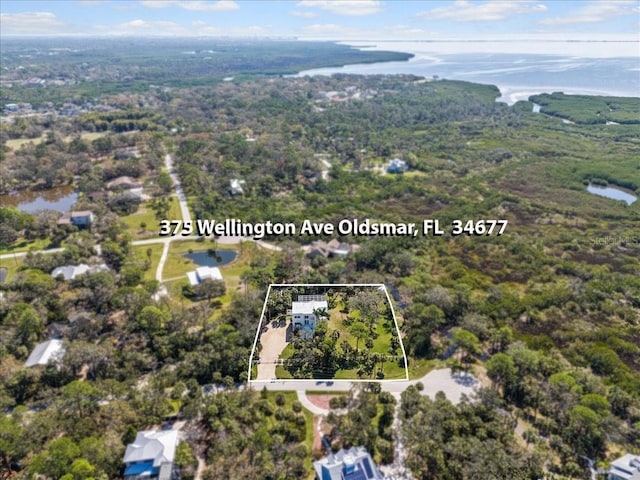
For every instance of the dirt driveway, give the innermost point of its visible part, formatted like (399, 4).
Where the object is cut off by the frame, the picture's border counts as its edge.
(273, 342)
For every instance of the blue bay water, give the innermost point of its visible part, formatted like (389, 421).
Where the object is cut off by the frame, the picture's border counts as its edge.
(518, 75)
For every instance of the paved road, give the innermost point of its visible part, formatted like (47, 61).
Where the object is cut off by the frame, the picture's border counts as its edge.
(182, 199)
(302, 398)
(163, 259)
(8, 256)
(452, 385)
(184, 211)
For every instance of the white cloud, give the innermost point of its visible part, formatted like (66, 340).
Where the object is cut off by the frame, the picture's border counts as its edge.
(146, 26)
(36, 23)
(332, 31)
(297, 13)
(344, 7)
(492, 10)
(164, 28)
(194, 5)
(596, 12)
(325, 28)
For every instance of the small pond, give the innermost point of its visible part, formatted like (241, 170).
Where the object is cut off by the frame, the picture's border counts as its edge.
(612, 192)
(60, 199)
(212, 258)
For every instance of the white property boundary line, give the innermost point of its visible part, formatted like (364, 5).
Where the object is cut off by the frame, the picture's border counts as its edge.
(315, 380)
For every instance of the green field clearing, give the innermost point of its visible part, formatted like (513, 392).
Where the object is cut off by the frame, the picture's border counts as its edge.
(140, 252)
(15, 143)
(22, 245)
(146, 215)
(12, 265)
(176, 266)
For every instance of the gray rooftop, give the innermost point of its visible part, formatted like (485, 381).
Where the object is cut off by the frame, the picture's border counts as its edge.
(45, 352)
(158, 446)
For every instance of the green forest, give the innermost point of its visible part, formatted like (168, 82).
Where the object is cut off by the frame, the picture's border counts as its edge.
(547, 315)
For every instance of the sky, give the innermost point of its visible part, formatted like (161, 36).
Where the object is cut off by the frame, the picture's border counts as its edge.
(326, 19)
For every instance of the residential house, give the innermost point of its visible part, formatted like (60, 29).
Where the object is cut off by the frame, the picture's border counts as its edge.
(124, 183)
(80, 218)
(626, 467)
(304, 313)
(352, 464)
(334, 248)
(136, 193)
(45, 352)
(56, 330)
(318, 248)
(397, 166)
(125, 154)
(98, 196)
(151, 455)
(201, 274)
(236, 186)
(69, 272)
(341, 249)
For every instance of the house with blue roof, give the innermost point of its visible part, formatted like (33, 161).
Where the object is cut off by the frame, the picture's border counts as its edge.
(150, 456)
(352, 464)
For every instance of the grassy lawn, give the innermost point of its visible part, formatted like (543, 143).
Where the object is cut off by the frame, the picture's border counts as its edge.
(176, 266)
(391, 370)
(233, 271)
(349, 374)
(174, 289)
(140, 252)
(12, 265)
(287, 352)
(337, 322)
(90, 136)
(418, 368)
(282, 373)
(16, 143)
(146, 215)
(338, 393)
(174, 210)
(22, 245)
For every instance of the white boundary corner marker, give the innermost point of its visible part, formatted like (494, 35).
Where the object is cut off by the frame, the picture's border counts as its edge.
(314, 380)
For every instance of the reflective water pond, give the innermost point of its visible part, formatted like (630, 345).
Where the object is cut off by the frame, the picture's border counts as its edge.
(60, 199)
(612, 192)
(212, 258)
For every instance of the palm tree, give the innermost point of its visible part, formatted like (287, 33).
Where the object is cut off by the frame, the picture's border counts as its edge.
(360, 331)
(321, 313)
(378, 358)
